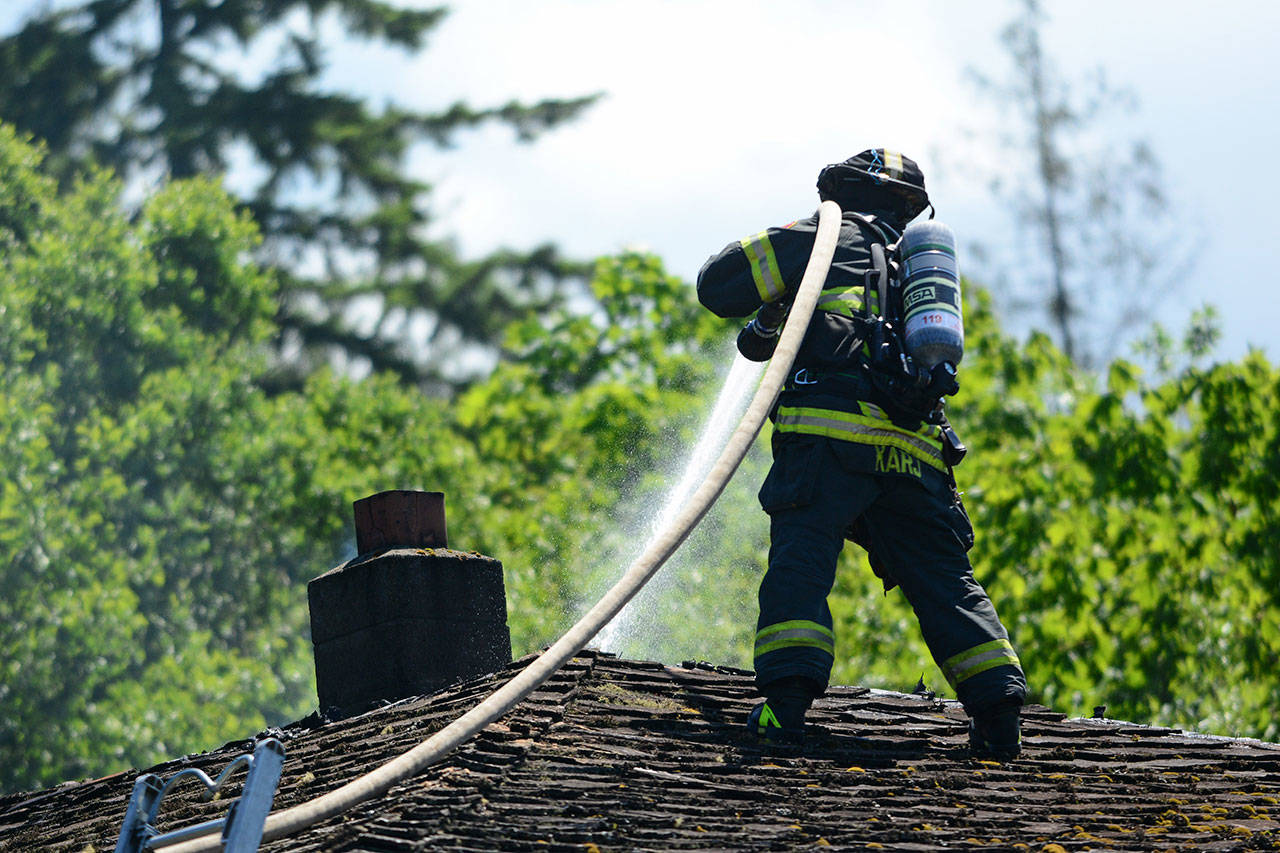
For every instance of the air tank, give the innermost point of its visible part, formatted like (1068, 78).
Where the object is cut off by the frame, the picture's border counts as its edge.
(933, 326)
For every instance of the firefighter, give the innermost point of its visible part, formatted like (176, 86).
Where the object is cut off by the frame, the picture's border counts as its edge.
(859, 454)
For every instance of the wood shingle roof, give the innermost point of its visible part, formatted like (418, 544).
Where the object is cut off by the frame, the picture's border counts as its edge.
(615, 754)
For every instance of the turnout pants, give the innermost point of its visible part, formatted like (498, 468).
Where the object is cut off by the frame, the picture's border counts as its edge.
(917, 535)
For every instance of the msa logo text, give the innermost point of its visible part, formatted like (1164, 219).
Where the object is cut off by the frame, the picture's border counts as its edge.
(920, 294)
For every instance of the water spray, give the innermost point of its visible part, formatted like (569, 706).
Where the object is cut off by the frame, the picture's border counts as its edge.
(730, 405)
(660, 547)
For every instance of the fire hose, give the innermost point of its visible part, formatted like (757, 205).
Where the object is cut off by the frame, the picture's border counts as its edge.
(662, 546)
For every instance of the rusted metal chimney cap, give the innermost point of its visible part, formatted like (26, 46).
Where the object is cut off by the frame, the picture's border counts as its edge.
(400, 518)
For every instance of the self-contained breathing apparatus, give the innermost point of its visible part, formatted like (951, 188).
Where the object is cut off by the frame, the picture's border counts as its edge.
(916, 343)
(911, 349)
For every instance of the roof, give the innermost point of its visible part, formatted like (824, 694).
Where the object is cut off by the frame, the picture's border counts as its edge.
(625, 754)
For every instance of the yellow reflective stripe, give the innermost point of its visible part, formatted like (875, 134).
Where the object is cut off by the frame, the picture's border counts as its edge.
(790, 642)
(798, 633)
(893, 163)
(925, 445)
(930, 435)
(770, 630)
(959, 658)
(873, 410)
(764, 266)
(846, 301)
(970, 662)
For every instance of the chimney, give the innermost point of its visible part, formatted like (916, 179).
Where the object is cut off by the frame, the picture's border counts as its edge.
(408, 616)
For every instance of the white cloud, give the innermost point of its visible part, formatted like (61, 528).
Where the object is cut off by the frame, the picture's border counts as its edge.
(719, 115)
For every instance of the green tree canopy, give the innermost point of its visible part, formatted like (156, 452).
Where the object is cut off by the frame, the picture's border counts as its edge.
(1131, 530)
(155, 88)
(1127, 530)
(130, 545)
(160, 513)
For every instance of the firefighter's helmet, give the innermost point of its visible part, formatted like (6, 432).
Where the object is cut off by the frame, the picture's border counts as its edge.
(876, 172)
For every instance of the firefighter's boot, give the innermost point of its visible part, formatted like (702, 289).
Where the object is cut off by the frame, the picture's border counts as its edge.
(779, 719)
(996, 734)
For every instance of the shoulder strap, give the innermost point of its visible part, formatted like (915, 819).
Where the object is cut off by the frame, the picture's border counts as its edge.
(878, 276)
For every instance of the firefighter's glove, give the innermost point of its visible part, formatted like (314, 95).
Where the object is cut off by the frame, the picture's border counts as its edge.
(759, 338)
(769, 318)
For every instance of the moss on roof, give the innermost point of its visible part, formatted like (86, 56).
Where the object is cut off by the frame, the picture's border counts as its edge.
(626, 755)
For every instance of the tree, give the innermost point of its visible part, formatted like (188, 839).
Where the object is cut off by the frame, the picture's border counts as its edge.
(1127, 533)
(1126, 530)
(149, 88)
(129, 545)
(160, 513)
(1091, 207)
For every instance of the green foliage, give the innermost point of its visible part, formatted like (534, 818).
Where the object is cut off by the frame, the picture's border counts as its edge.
(565, 429)
(154, 88)
(160, 513)
(139, 587)
(1128, 532)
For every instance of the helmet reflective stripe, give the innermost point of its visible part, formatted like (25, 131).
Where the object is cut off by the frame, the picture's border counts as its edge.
(893, 163)
(764, 266)
(797, 633)
(925, 445)
(970, 662)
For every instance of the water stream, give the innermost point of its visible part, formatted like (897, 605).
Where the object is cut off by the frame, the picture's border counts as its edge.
(729, 408)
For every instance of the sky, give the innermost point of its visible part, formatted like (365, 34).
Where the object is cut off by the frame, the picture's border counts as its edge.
(717, 115)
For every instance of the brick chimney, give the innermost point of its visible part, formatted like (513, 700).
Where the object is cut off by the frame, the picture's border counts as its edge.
(408, 616)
